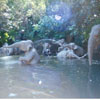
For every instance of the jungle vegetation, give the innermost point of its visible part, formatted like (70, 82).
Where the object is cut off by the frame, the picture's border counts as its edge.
(43, 19)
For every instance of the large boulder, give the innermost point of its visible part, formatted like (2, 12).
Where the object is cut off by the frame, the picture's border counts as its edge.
(47, 46)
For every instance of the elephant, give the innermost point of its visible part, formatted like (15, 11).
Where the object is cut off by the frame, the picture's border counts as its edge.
(93, 41)
(31, 57)
(68, 53)
(24, 45)
(79, 51)
(71, 54)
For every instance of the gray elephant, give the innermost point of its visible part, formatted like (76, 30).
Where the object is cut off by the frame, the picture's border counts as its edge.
(24, 45)
(79, 51)
(30, 57)
(69, 53)
(93, 42)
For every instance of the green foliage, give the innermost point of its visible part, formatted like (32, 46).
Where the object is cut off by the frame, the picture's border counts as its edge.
(37, 19)
(3, 37)
(48, 27)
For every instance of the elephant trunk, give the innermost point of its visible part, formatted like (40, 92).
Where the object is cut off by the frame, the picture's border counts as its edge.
(91, 45)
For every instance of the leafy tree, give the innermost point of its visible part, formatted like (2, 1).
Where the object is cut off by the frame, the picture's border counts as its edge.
(37, 19)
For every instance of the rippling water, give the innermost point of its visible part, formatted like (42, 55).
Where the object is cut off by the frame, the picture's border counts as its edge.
(49, 79)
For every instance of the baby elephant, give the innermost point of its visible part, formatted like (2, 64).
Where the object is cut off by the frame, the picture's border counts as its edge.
(31, 57)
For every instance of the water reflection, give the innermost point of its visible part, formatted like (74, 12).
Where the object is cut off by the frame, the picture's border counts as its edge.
(49, 79)
(94, 81)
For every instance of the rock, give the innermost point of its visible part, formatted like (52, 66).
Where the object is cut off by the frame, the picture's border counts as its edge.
(53, 46)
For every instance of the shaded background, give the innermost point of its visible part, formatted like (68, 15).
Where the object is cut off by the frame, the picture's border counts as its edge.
(38, 19)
